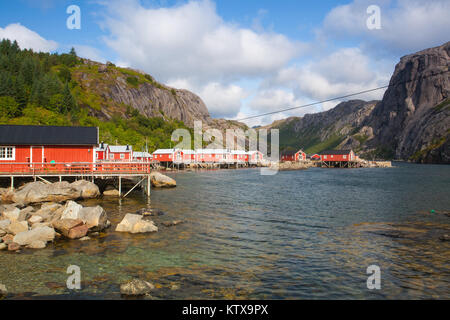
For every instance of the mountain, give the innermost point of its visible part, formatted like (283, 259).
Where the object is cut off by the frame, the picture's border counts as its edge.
(129, 106)
(411, 123)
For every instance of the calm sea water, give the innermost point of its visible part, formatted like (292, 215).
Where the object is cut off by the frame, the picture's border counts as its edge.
(295, 235)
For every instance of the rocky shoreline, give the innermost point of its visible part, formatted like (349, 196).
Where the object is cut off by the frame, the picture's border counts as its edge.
(37, 213)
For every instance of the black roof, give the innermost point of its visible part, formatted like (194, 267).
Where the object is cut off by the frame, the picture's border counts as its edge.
(47, 135)
(339, 152)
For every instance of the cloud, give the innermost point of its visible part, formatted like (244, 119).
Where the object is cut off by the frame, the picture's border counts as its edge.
(340, 73)
(26, 38)
(406, 25)
(192, 41)
(222, 100)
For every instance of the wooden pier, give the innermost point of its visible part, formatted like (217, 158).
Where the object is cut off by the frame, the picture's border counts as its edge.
(139, 171)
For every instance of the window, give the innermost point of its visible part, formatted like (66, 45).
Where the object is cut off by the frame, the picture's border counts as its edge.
(345, 157)
(122, 156)
(111, 156)
(324, 157)
(7, 153)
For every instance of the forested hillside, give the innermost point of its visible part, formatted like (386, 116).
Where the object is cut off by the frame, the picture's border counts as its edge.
(43, 89)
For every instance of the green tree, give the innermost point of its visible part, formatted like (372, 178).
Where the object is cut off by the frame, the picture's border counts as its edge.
(9, 107)
(70, 105)
(64, 74)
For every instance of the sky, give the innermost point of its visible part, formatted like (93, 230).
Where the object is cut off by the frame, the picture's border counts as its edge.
(243, 58)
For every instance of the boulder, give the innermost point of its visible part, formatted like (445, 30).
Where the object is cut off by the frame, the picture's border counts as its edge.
(133, 223)
(3, 246)
(25, 213)
(50, 212)
(4, 224)
(8, 239)
(159, 180)
(27, 237)
(37, 192)
(2, 233)
(35, 219)
(37, 244)
(78, 232)
(111, 193)
(13, 246)
(12, 213)
(41, 224)
(150, 212)
(136, 287)
(87, 189)
(94, 217)
(71, 210)
(65, 225)
(17, 227)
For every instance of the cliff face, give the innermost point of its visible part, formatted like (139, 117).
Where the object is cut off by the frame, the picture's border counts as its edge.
(412, 122)
(117, 89)
(326, 130)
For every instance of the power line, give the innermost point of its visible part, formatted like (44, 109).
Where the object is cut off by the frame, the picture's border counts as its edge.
(339, 98)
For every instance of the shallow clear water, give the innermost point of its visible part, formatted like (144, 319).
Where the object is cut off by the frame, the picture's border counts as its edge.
(295, 235)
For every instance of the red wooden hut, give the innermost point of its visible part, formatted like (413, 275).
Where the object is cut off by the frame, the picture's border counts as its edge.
(287, 155)
(337, 155)
(164, 155)
(120, 153)
(47, 144)
(300, 156)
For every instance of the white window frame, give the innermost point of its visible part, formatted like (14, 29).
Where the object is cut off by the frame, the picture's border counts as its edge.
(13, 158)
(122, 156)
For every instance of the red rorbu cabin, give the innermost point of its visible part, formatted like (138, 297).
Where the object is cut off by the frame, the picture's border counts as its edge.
(315, 157)
(120, 153)
(300, 156)
(287, 156)
(338, 156)
(142, 157)
(255, 156)
(47, 144)
(101, 153)
(164, 155)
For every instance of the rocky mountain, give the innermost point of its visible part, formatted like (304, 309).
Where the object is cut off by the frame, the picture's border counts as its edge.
(411, 123)
(116, 88)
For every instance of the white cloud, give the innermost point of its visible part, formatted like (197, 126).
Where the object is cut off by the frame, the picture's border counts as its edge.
(26, 38)
(222, 100)
(406, 25)
(343, 72)
(192, 41)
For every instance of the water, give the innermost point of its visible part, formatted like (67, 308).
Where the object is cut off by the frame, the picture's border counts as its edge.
(295, 235)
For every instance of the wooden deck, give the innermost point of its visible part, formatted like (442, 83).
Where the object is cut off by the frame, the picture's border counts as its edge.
(114, 169)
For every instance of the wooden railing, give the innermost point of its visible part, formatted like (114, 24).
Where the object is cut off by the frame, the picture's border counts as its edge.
(74, 168)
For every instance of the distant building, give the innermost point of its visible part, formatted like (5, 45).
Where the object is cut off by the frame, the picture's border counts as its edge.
(164, 155)
(300, 156)
(288, 155)
(142, 156)
(101, 153)
(120, 153)
(315, 157)
(337, 155)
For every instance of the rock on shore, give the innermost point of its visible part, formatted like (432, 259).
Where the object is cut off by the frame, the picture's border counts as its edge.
(159, 180)
(38, 192)
(133, 223)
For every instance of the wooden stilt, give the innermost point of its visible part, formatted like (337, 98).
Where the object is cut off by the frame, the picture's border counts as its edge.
(120, 186)
(12, 183)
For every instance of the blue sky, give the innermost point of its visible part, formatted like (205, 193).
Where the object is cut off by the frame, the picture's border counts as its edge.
(241, 57)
